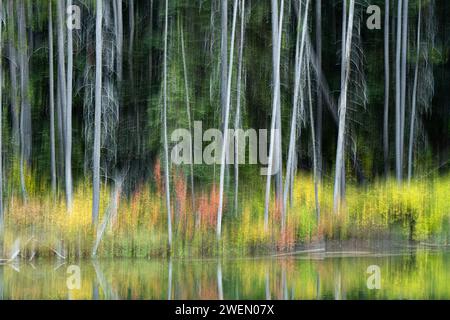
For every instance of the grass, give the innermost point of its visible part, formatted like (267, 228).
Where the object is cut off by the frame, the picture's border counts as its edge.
(418, 211)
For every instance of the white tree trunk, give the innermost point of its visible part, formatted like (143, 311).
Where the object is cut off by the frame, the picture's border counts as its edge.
(188, 112)
(414, 99)
(319, 110)
(223, 56)
(386, 90)
(276, 51)
(68, 149)
(299, 52)
(313, 142)
(119, 39)
(398, 82)
(166, 146)
(131, 44)
(343, 110)
(403, 79)
(225, 127)
(52, 100)
(25, 112)
(62, 65)
(237, 119)
(12, 57)
(97, 112)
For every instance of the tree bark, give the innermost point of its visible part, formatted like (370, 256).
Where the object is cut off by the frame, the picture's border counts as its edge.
(25, 112)
(97, 112)
(68, 149)
(299, 52)
(414, 98)
(386, 90)
(12, 57)
(166, 146)
(188, 112)
(403, 78)
(343, 110)
(52, 100)
(319, 110)
(276, 49)
(398, 82)
(119, 40)
(313, 142)
(223, 57)
(225, 127)
(237, 120)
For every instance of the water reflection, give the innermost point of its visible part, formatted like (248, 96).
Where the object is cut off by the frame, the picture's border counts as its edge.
(412, 275)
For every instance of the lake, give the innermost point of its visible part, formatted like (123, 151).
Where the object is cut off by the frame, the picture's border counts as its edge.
(411, 273)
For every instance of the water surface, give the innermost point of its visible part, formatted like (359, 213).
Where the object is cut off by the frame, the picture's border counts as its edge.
(411, 274)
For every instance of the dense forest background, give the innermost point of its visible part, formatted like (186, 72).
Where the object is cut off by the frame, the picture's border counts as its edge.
(89, 111)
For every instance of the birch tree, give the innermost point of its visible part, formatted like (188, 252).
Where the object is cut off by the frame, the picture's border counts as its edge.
(319, 109)
(13, 63)
(223, 56)
(188, 112)
(313, 143)
(119, 37)
(299, 52)
(224, 150)
(277, 22)
(51, 99)
(403, 80)
(343, 109)
(68, 149)
(386, 89)
(414, 97)
(98, 112)
(398, 82)
(237, 119)
(166, 146)
(25, 110)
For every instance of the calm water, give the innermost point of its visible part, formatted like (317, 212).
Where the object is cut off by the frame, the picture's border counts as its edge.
(417, 274)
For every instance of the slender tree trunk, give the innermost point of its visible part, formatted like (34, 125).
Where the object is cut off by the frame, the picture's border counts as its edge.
(278, 137)
(313, 142)
(237, 120)
(62, 66)
(68, 155)
(414, 98)
(225, 128)
(132, 29)
(25, 112)
(343, 110)
(59, 124)
(299, 52)
(223, 56)
(188, 112)
(344, 36)
(398, 82)
(403, 78)
(166, 146)
(319, 110)
(386, 90)
(276, 50)
(52, 100)
(119, 40)
(97, 112)
(12, 57)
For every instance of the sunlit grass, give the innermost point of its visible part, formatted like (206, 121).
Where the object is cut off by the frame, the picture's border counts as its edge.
(417, 211)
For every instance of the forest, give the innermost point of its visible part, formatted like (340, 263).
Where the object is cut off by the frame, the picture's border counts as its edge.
(92, 90)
